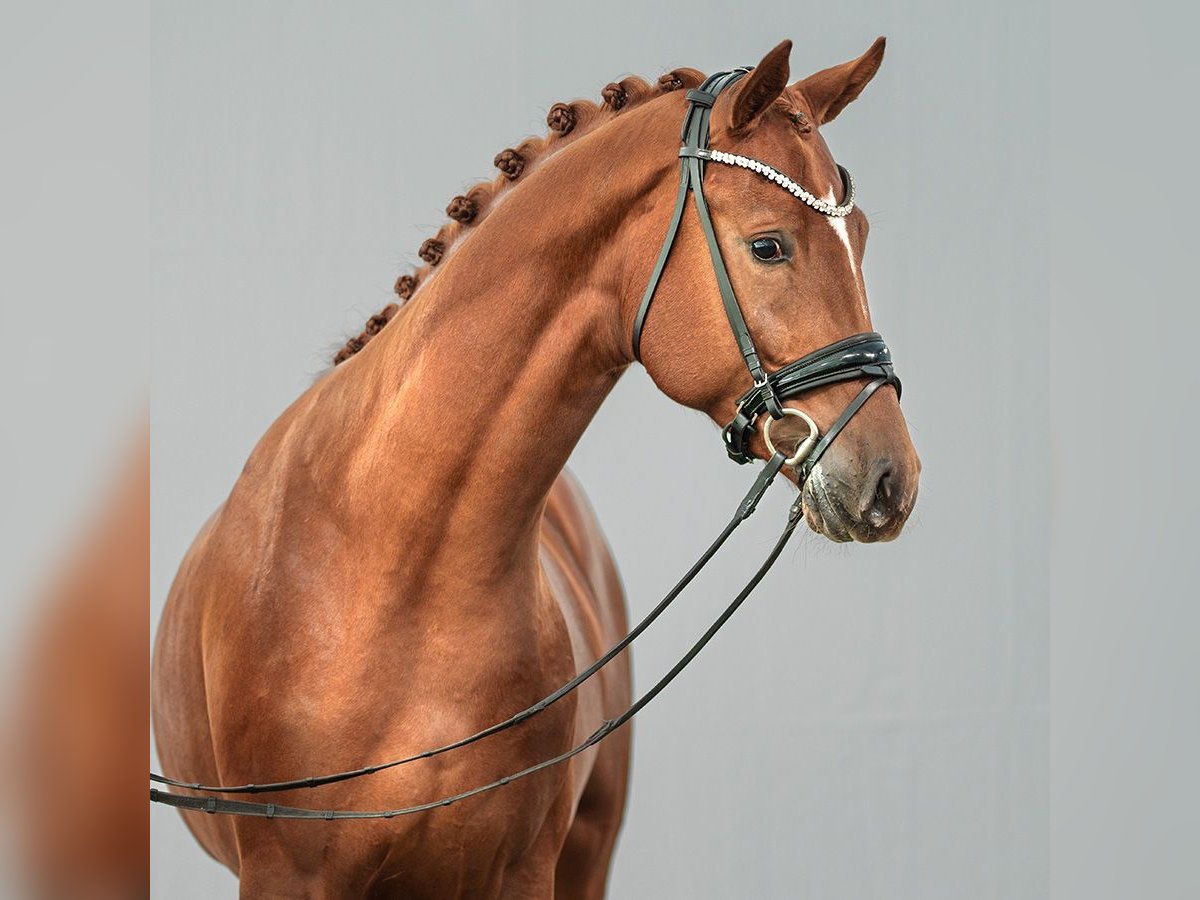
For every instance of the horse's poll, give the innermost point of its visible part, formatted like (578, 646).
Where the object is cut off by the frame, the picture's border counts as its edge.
(856, 356)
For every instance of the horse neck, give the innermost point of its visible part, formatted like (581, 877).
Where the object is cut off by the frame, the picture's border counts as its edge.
(458, 417)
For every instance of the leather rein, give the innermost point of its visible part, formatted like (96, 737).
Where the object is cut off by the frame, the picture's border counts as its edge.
(855, 357)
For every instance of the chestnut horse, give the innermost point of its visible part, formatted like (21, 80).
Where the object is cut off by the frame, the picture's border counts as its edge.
(403, 562)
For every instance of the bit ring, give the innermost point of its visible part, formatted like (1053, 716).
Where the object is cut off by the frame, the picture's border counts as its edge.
(805, 446)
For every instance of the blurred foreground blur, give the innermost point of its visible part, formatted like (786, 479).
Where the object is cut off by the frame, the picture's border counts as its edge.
(75, 751)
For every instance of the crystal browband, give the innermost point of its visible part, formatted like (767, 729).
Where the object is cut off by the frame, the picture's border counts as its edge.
(772, 174)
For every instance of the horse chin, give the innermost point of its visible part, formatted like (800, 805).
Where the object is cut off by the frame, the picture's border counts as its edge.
(822, 513)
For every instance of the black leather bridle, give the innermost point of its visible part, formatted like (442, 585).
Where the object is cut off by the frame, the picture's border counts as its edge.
(858, 356)
(848, 359)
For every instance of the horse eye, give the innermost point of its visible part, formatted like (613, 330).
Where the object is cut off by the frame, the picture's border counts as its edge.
(767, 249)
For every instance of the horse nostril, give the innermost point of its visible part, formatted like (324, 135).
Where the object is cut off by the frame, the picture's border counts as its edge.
(884, 489)
(880, 496)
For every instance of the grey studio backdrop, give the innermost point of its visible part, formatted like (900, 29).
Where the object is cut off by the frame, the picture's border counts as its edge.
(874, 722)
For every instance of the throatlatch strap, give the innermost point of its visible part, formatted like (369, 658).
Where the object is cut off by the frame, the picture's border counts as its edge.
(699, 100)
(661, 263)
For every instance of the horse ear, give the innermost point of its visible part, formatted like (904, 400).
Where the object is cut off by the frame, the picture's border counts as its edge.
(765, 84)
(829, 90)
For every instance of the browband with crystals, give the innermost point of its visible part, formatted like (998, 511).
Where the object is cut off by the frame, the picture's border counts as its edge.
(772, 174)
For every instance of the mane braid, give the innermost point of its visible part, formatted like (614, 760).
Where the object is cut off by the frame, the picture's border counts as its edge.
(567, 121)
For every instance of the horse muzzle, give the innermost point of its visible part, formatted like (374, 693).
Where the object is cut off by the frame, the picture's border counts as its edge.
(865, 504)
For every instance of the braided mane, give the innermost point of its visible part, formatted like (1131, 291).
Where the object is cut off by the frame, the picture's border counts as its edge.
(566, 121)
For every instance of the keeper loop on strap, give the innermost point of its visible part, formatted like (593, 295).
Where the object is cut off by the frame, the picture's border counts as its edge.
(774, 407)
(210, 806)
(701, 98)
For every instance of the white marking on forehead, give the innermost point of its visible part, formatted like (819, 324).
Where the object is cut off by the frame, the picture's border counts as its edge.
(839, 226)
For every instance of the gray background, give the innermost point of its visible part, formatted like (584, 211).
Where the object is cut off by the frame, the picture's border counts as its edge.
(875, 723)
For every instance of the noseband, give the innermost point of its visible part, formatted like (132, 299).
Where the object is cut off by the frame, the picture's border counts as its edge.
(858, 356)
(862, 355)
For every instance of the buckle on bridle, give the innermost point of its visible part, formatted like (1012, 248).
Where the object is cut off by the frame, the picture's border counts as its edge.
(770, 398)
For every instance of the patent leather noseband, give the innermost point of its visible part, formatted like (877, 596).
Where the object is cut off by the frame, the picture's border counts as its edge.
(858, 356)
(845, 360)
